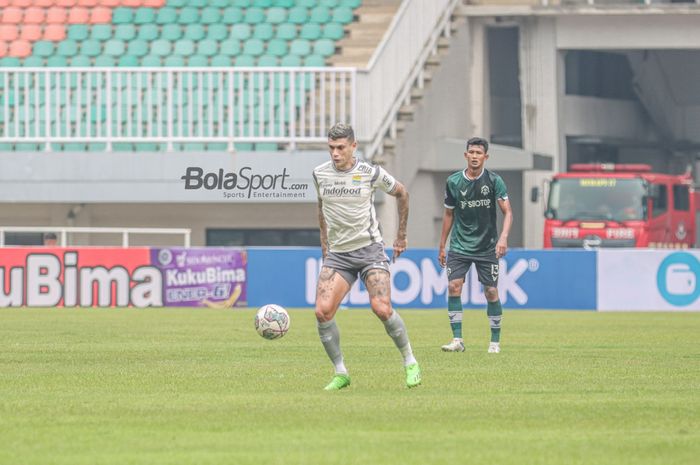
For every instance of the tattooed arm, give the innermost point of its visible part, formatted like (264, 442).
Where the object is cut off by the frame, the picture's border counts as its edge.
(323, 229)
(400, 243)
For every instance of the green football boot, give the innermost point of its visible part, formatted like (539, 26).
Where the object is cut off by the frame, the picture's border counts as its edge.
(338, 382)
(413, 378)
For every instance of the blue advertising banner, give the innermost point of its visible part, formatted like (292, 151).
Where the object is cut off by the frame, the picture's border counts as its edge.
(529, 279)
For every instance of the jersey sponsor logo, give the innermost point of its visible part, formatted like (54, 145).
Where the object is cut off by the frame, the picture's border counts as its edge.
(464, 192)
(386, 180)
(338, 191)
(475, 203)
(356, 179)
(485, 190)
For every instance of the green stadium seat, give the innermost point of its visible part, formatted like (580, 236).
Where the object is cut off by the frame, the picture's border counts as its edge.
(76, 61)
(174, 60)
(125, 32)
(264, 31)
(207, 47)
(67, 48)
(241, 3)
(324, 47)
(221, 60)
(300, 47)
(184, 47)
(320, 15)
(101, 32)
(277, 47)
(232, 15)
(290, 60)
(276, 15)
(197, 3)
(103, 61)
(266, 147)
(188, 15)
(254, 15)
(230, 47)
(114, 47)
(240, 31)
(297, 15)
(268, 60)
(148, 32)
(307, 3)
(210, 15)
(122, 16)
(171, 32)
(137, 48)
(78, 32)
(310, 31)
(43, 48)
(6, 62)
(262, 3)
(219, 3)
(56, 61)
(198, 60)
(128, 60)
(194, 32)
(176, 3)
(286, 31)
(161, 47)
(166, 15)
(144, 16)
(34, 61)
(243, 146)
(244, 60)
(253, 47)
(350, 3)
(284, 3)
(217, 32)
(314, 60)
(343, 15)
(151, 60)
(334, 31)
(216, 147)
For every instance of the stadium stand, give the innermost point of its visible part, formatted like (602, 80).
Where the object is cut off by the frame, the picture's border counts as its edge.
(128, 34)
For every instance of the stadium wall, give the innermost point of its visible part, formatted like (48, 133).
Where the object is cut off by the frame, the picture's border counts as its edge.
(604, 280)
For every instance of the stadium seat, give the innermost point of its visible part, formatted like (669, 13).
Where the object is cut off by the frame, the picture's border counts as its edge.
(241, 31)
(263, 31)
(123, 16)
(310, 31)
(30, 32)
(8, 32)
(54, 32)
(148, 32)
(276, 15)
(217, 32)
(297, 15)
(232, 15)
(11, 15)
(286, 31)
(194, 32)
(33, 15)
(197, 60)
(78, 32)
(128, 60)
(333, 31)
(144, 16)
(136, 48)
(210, 15)
(207, 47)
(101, 32)
(100, 15)
(171, 32)
(184, 47)
(78, 15)
(125, 32)
(230, 47)
(320, 15)
(188, 15)
(343, 15)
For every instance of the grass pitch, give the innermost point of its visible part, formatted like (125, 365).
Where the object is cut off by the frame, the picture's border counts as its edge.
(181, 386)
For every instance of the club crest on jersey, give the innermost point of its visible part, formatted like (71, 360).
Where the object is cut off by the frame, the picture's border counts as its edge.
(356, 179)
(485, 190)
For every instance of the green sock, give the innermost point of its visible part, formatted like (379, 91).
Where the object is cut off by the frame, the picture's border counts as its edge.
(454, 311)
(494, 311)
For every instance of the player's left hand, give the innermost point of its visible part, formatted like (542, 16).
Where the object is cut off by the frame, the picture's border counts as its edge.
(501, 248)
(399, 248)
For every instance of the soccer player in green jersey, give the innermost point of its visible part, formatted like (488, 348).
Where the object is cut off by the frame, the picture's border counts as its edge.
(471, 196)
(352, 246)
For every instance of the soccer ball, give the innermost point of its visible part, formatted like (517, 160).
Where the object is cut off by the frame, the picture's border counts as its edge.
(272, 321)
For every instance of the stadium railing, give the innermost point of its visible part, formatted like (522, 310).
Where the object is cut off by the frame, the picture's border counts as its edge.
(125, 233)
(173, 105)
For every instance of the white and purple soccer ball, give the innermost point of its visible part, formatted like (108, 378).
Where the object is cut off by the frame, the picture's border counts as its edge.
(272, 321)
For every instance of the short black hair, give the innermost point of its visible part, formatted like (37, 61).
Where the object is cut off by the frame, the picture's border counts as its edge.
(479, 141)
(49, 236)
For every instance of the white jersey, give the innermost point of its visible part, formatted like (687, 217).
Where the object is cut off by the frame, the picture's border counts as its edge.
(348, 203)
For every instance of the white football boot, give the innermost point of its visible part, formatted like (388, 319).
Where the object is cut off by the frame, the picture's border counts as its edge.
(457, 345)
(494, 348)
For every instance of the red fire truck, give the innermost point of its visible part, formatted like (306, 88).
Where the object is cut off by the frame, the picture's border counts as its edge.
(620, 205)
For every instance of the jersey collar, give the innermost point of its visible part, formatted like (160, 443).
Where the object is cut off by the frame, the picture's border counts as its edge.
(464, 174)
(357, 160)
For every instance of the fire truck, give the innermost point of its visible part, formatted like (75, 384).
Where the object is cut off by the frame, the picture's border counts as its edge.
(620, 205)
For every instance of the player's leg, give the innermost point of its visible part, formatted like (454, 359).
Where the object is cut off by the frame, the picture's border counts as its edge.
(330, 291)
(378, 283)
(488, 276)
(457, 267)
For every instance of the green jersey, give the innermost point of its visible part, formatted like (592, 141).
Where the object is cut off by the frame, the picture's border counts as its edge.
(474, 203)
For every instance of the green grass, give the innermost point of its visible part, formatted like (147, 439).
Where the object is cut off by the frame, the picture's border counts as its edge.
(180, 386)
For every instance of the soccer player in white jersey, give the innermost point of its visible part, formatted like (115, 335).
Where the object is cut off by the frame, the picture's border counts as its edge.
(352, 245)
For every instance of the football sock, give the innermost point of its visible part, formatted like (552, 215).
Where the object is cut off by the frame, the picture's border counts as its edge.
(454, 312)
(330, 338)
(494, 311)
(397, 330)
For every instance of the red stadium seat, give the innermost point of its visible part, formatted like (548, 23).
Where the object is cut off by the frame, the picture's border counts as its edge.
(30, 32)
(88, 3)
(101, 15)
(4, 3)
(56, 15)
(65, 3)
(78, 15)
(8, 32)
(44, 3)
(20, 49)
(3, 49)
(154, 3)
(110, 3)
(11, 15)
(55, 32)
(34, 15)
(131, 3)
(21, 3)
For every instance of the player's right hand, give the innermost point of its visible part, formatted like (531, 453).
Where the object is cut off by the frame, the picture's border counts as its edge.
(442, 258)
